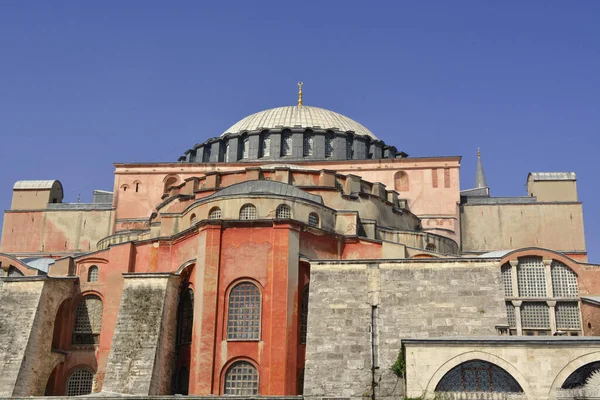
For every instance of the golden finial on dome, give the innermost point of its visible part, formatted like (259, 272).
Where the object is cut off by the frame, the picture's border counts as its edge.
(300, 93)
(478, 152)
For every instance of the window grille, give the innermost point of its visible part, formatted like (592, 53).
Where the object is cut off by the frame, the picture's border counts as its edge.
(313, 219)
(266, 145)
(244, 312)
(241, 379)
(226, 155)
(328, 145)
(308, 145)
(564, 280)
(215, 213)
(93, 274)
(567, 316)
(531, 277)
(535, 315)
(248, 211)
(507, 280)
(430, 247)
(286, 145)
(80, 382)
(304, 315)
(283, 212)
(193, 219)
(88, 320)
(478, 376)
(510, 313)
(349, 151)
(186, 317)
(245, 148)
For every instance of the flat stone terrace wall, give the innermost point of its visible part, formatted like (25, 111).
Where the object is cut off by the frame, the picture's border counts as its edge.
(404, 299)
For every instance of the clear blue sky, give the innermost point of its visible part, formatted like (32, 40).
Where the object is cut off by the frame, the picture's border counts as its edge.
(86, 84)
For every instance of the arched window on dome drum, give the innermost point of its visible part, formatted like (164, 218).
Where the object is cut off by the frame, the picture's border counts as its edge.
(313, 219)
(88, 321)
(401, 182)
(478, 376)
(283, 211)
(245, 147)
(193, 219)
(93, 274)
(349, 147)
(206, 154)
(304, 315)
(308, 144)
(214, 213)
(226, 152)
(243, 320)
(185, 317)
(328, 145)
(80, 382)
(286, 144)
(241, 379)
(266, 145)
(248, 211)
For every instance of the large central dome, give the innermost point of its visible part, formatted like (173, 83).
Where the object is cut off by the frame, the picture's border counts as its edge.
(299, 116)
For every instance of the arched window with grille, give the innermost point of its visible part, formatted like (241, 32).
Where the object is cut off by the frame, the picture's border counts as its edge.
(185, 317)
(308, 145)
(328, 145)
(214, 213)
(93, 274)
(241, 379)
(430, 247)
(478, 376)
(349, 147)
(304, 315)
(313, 219)
(88, 321)
(244, 311)
(266, 145)
(286, 144)
(80, 382)
(564, 280)
(283, 211)
(248, 211)
(193, 219)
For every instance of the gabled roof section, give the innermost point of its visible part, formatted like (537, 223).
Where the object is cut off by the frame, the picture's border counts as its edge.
(266, 187)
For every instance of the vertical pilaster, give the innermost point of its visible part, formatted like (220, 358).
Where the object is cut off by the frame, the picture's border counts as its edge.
(551, 305)
(517, 305)
(513, 277)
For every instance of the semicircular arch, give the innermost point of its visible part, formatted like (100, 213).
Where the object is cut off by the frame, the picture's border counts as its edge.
(571, 367)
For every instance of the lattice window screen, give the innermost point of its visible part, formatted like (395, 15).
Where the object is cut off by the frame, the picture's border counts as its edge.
(283, 212)
(248, 211)
(531, 277)
(93, 274)
(567, 316)
(244, 312)
(507, 280)
(510, 313)
(313, 219)
(308, 145)
(88, 320)
(241, 379)
(564, 280)
(80, 382)
(535, 315)
(215, 213)
(304, 316)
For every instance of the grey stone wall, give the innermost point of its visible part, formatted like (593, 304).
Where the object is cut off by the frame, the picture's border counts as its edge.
(413, 298)
(142, 356)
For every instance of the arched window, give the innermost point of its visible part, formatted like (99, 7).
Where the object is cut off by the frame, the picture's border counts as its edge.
(137, 186)
(313, 219)
(349, 147)
(266, 145)
(248, 211)
(88, 321)
(401, 183)
(283, 212)
(564, 280)
(245, 147)
(80, 382)
(304, 315)
(478, 376)
(206, 153)
(185, 317)
(93, 274)
(193, 219)
(430, 247)
(226, 152)
(588, 374)
(243, 321)
(308, 145)
(214, 213)
(328, 145)
(171, 181)
(241, 379)
(286, 144)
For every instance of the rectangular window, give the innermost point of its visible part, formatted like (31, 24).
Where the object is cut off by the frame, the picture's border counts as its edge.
(535, 315)
(510, 313)
(434, 177)
(507, 280)
(567, 316)
(531, 277)
(446, 177)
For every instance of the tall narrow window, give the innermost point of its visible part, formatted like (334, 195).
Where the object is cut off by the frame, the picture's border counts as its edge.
(88, 321)
(313, 219)
(248, 211)
(349, 148)
(308, 145)
(243, 321)
(206, 154)
(266, 145)
(328, 145)
(186, 317)
(214, 213)
(226, 152)
(193, 219)
(241, 379)
(80, 382)
(446, 177)
(93, 274)
(245, 147)
(286, 144)
(283, 211)
(304, 315)
(506, 272)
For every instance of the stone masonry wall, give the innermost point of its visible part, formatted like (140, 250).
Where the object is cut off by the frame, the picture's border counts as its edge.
(413, 298)
(139, 362)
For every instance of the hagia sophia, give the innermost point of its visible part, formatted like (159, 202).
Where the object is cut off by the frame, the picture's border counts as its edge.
(297, 255)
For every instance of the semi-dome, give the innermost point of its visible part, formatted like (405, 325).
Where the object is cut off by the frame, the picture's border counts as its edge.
(299, 116)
